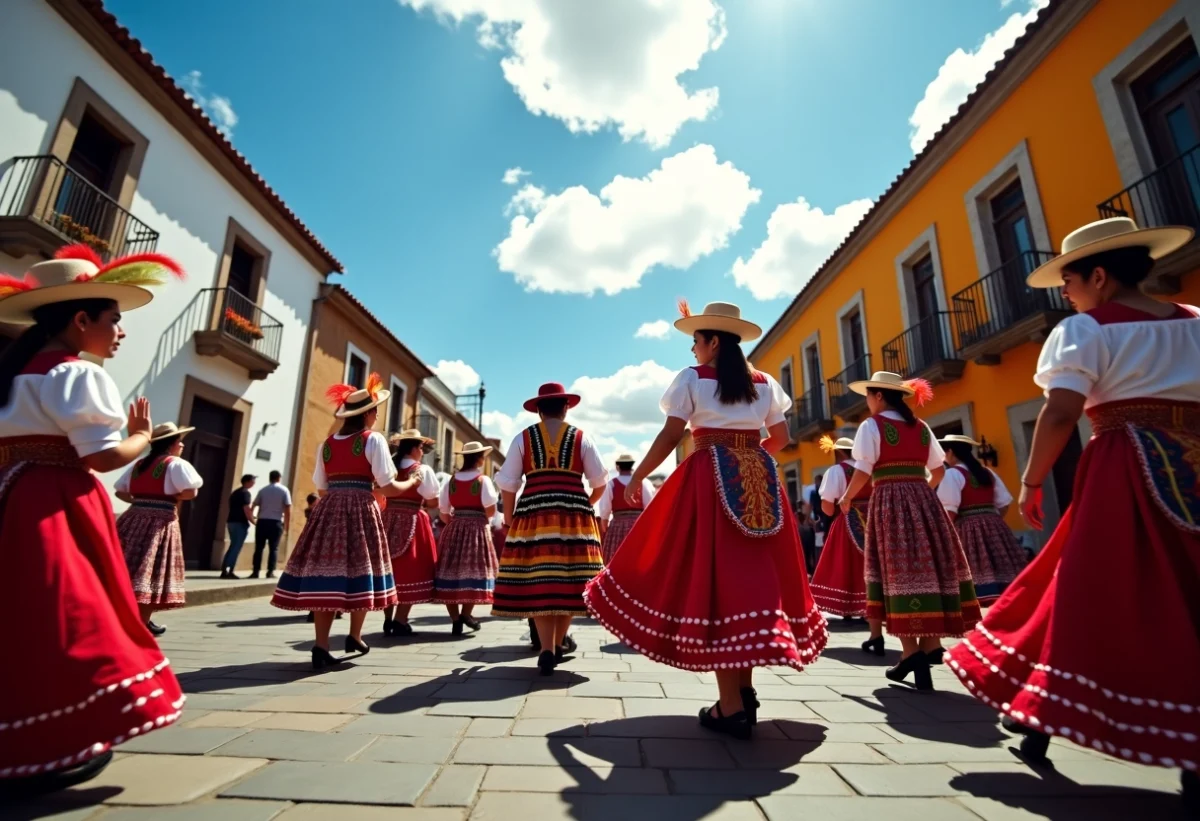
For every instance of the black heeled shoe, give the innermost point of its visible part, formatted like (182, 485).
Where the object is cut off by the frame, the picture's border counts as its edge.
(155, 629)
(1189, 781)
(535, 641)
(737, 725)
(456, 629)
(388, 626)
(322, 658)
(353, 645)
(918, 665)
(750, 704)
(935, 655)
(472, 622)
(562, 654)
(55, 780)
(1012, 725)
(402, 629)
(874, 645)
(547, 662)
(1034, 747)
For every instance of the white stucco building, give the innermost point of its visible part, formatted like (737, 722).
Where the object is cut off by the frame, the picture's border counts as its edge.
(98, 144)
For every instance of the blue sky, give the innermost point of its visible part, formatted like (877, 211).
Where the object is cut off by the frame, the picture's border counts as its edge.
(765, 126)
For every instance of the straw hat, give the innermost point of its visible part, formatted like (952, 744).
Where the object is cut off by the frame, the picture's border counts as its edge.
(411, 433)
(883, 380)
(373, 395)
(166, 430)
(717, 316)
(551, 390)
(78, 272)
(1106, 235)
(828, 444)
(956, 437)
(473, 447)
(625, 458)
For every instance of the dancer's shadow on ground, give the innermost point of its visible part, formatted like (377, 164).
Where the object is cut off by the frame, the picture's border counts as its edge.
(476, 684)
(55, 805)
(937, 716)
(266, 621)
(1046, 793)
(855, 656)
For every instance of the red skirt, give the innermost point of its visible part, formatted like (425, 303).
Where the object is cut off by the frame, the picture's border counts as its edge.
(90, 674)
(414, 553)
(690, 589)
(620, 526)
(838, 584)
(467, 564)
(1098, 640)
(995, 556)
(153, 548)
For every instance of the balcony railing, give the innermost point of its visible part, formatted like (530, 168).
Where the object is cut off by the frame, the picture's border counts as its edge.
(810, 415)
(1170, 195)
(1000, 311)
(45, 191)
(240, 331)
(843, 401)
(426, 423)
(926, 349)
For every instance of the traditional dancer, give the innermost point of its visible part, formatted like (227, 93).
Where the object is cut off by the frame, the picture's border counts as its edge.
(918, 579)
(1121, 676)
(94, 675)
(712, 576)
(838, 585)
(553, 547)
(149, 530)
(341, 561)
(614, 506)
(975, 499)
(466, 562)
(409, 532)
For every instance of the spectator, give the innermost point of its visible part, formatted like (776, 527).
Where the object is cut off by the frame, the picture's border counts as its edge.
(808, 535)
(311, 502)
(274, 506)
(238, 523)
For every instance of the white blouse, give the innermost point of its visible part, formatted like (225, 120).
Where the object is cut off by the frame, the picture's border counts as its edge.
(604, 506)
(511, 475)
(693, 398)
(180, 476)
(428, 488)
(833, 483)
(1123, 360)
(73, 399)
(378, 454)
(951, 487)
(866, 445)
(487, 491)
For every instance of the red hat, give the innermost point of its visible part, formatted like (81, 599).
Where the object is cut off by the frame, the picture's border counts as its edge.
(551, 390)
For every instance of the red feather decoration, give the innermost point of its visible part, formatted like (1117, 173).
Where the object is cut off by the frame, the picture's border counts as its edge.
(338, 394)
(10, 285)
(79, 251)
(922, 390)
(374, 384)
(685, 310)
(158, 259)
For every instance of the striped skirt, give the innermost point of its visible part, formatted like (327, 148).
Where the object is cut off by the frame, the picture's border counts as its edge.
(153, 548)
(466, 561)
(622, 522)
(993, 552)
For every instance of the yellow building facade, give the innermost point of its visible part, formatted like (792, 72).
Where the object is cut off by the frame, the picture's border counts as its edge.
(1094, 113)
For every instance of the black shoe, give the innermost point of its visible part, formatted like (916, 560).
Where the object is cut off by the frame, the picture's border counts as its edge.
(547, 662)
(1190, 782)
(534, 639)
(456, 629)
(254, 575)
(155, 629)
(472, 622)
(311, 617)
(562, 654)
(338, 615)
(353, 645)
(874, 645)
(55, 780)
(388, 627)
(270, 574)
(918, 665)
(1012, 725)
(569, 644)
(322, 658)
(1034, 747)
(400, 628)
(750, 704)
(935, 656)
(229, 574)
(737, 725)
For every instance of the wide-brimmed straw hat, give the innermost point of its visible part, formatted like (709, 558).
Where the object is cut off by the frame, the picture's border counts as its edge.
(885, 381)
(829, 444)
(473, 447)
(717, 316)
(372, 396)
(1106, 235)
(78, 272)
(411, 433)
(551, 390)
(625, 458)
(958, 437)
(166, 430)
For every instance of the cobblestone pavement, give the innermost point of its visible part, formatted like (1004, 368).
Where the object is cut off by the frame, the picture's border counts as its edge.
(434, 728)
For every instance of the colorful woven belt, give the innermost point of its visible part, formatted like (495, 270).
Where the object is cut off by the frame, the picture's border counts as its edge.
(975, 510)
(55, 451)
(1145, 413)
(899, 472)
(351, 484)
(406, 503)
(634, 513)
(155, 504)
(738, 439)
(469, 513)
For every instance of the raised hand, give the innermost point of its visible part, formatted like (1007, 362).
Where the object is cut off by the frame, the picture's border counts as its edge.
(139, 417)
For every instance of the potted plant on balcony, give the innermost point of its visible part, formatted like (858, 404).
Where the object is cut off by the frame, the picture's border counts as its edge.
(82, 233)
(242, 325)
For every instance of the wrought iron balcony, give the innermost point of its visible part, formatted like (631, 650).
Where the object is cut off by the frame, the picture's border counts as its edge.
(45, 205)
(844, 402)
(240, 331)
(925, 350)
(810, 416)
(1000, 312)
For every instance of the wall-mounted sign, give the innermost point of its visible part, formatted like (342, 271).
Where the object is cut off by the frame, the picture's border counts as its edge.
(263, 455)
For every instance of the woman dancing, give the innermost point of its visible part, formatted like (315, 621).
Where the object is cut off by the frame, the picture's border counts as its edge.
(838, 585)
(467, 564)
(409, 532)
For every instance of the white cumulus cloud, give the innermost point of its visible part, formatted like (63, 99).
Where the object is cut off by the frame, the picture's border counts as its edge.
(962, 71)
(597, 64)
(512, 176)
(579, 242)
(218, 109)
(658, 329)
(458, 375)
(799, 239)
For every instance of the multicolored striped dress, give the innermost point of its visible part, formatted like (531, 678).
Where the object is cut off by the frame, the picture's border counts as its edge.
(553, 547)
(995, 556)
(466, 564)
(918, 579)
(151, 539)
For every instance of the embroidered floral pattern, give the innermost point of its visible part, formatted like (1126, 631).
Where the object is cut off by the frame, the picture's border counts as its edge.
(360, 445)
(924, 436)
(160, 469)
(748, 484)
(1170, 458)
(326, 453)
(890, 434)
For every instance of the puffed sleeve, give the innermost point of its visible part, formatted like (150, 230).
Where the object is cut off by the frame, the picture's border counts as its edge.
(679, 401)
(380, 457)
(122, 485)
(428, 488)
(319, 479)
(648, 492)
(950, 490)
(833, 485)
(937, 454)
(84, 402)
(866, 446)
(604, 506)
(1001, 496)
(781, 403)
(593, 468)
(511, 472)
(1073, 357)
(182, 476)
(444, 497)
(487, 492)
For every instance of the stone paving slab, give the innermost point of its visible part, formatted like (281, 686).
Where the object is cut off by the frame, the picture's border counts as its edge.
(858, 808)
(183, 740)
(360, 812)
(456, 786)
(501, 806)
(409, 750)
(358, 782)
(297, 745)
(549, 752)
(168, 779)
(310, 722)
(800, 779)
(213, 810)
(598, 780)
(412, 725)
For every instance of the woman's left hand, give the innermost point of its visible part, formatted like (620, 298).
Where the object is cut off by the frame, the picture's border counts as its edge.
(844, 504)
(633, 493)
(1030, 502)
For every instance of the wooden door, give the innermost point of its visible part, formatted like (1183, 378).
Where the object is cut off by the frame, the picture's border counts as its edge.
(207, 448)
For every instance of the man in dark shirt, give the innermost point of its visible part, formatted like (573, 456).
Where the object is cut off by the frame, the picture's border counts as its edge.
(238, 522)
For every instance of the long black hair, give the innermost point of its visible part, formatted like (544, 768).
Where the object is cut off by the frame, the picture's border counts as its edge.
(1129, 266)
(401, 448)
(962, 451)
(895, 401)
(735, 377)
(470, 461)
(49, 321)
(157, 449)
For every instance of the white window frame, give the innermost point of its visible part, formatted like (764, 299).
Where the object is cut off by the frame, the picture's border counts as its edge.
(856, 302)
(790, 366)
(1015, 165)
(925, 245)
(1114, 93)
(448, 436)
(793, 471)
(964, 414)
(393, 385)
(352, 349)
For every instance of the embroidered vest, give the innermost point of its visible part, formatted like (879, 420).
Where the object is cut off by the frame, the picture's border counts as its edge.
(346, 461)
(466, 495)
(150, 482)
(865, 492)
(413, 495)
(619, 505)
(543, 454)
(976, 498)
(903, 450)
